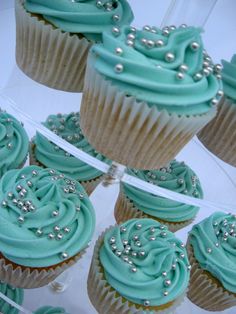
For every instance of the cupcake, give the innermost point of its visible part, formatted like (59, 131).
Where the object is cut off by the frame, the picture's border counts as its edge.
(138, 267)
(135, 203)
(14, 143)
(219, 136)
(146, 93)
(60, 34)
(46, 154)
(46, 222)
(15, 294)
(211, 249)
(50, 310)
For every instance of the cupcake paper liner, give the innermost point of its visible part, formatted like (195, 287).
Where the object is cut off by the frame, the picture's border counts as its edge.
(205, 290)
(47, 55)
(29, 278)
(219, 136)
(106, 300)
(89, 185)
(125, 210)
(131, 132)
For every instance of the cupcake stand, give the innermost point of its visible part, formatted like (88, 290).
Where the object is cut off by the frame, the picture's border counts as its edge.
(31, 103)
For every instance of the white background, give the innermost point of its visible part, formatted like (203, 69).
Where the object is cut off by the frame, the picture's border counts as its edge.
(218, 179)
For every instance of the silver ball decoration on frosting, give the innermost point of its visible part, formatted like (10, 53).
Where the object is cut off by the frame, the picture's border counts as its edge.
(169, 57)
(116, 31)
(119, 68)
(194, 46)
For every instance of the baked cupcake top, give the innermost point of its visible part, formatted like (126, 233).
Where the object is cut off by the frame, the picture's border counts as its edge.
(48, 154)
(50, 310)
(15, 294)
(144, 262)
(229, 77)
(177, 177)
(14, 143)
(214, 245)
(87, 17)
(45, 217)
(167, 68)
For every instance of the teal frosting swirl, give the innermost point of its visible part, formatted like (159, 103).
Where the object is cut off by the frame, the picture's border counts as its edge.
(51, 310)
(149, 77)
(66, 126)
(14, 143)
(214, 245)
(229, 77)
(15, 294)
(143, 261)
(83, 16)
(177, 177)
(45, 217)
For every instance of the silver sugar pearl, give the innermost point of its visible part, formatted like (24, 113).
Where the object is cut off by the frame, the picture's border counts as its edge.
(183, 68)
(34, 173)
(194, 46)
(218, 67)
(197, 77)
(152, 238)
(133, 269)
(56, 228)
(209, 250)
(39, 232)
(129, 43)
(134, 254)
(146, 303)
(142, 253)
(180, 76)
(66, 229)
(164, 273)
(214, 101)
(112, 240)
(118, 253)
(220, 93)
(119, 51)
(167, 282)
(150, 44)
(24, 209)
(159, 43)
(55, 213)
(173, 266)
(51, 236)
(119, 68)
(21, 220)
(19, 188)
(122, 229)
(138, 226)
(169, 57)
(182, 255)
(59, 236)
(32, 208)
(116, 18)
(165, 293)
(116, 31)
(147, 28)
(64, 255)
(4, 203)
(30, 184)
(125, 242)
(131, 36)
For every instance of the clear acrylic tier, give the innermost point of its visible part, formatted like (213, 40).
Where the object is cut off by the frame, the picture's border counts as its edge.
(37, 102)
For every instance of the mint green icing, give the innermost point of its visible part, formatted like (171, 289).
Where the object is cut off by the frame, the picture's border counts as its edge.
(14, 143)
(177, 177)
(161, 253)
(229, 77)
(15, 294)
(217, 233)
(82, 16)
(50, 310)
(66, 126)
(149, 77)
(50, 199)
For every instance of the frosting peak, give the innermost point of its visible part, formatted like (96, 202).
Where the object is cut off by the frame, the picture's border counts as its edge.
(144, 262)
(177, 177)
(214, 245)
(87, 17)
(229, 77)
(177, 74)
(45, 217)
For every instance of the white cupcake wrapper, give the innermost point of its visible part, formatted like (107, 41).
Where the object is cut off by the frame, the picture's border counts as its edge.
(203, 291)
(106, 300)
(131, 132)
(125, 210)
(47, 55)
(89, 185)
(219, 136)
(29, 278)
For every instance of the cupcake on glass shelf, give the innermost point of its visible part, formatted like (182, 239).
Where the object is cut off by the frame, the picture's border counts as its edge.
(15, 294)
(46, 223)
(50, 310)
(219, 136)
(46, 154)
(60, 34)
(146, 93)
(178, 177)
(212, 254)
(138, 267)
(14, 143)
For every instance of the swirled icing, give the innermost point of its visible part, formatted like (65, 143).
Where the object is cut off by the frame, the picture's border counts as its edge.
(83, 16)
(66, 126)
(229, 77)
(177, 177)
(14, 143)
(51, 310)
(159, 275)
(45, 217)
(15, 294)
(143, 71)
(214, 245)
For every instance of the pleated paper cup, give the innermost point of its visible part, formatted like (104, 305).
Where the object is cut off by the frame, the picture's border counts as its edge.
(219, 136)
(125, 210)
(205, 290)
(89, 185)
(47, 55)
(106, 300)
(130, 132)
(28, 277)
